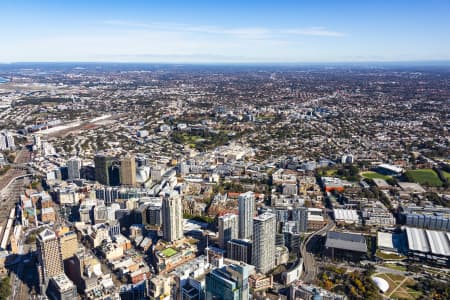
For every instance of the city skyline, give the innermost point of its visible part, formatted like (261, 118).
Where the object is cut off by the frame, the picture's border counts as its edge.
(231, 32)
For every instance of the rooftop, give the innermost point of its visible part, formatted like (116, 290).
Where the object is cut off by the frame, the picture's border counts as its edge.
(168, 252)
(346, 241)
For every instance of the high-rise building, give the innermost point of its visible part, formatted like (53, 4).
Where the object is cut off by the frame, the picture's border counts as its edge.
(228, 226)
(102, 166)
(61, 288)
(73, 168)
(100, 213)
(128, 171)
(300, 217)
(172, 217)
(228, 282)
(153, 212)
(240, 250)
(69, 244)
(246, 212)
(114, 174)
(191, 289)
(264, 231)
(37, 141)
(6, 141)
(49, 256)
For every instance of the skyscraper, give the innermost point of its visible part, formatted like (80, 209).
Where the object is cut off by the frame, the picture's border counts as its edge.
(114, 173)
(128, 171)
(172, 217)
(73, 168)
(228, 226)
(228, 282)
(246, 212)
(69, 244)
(6, 141)
(300, 217)
(49, 256)
(60, 287)
(264, 230)
(102, 166)
(240, 250)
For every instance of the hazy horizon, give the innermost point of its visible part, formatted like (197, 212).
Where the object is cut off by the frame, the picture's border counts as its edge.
(225, 32)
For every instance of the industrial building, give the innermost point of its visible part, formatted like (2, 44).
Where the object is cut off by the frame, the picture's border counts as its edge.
(429, 245)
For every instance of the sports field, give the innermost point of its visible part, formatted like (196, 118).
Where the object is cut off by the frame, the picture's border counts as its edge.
(426, 177)
(372, 175)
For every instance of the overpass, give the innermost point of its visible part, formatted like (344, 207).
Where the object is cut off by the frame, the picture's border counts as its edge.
(309, 262)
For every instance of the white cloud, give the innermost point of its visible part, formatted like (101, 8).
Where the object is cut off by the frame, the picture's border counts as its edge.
(118, 40)
(244, 32)
(313, 31)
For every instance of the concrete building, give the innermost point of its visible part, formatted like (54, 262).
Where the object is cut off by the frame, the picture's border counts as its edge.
(246, 213)
(348, 245)
(300, 217)
(102, 166)
(61, 288)
(154, 214)
(228, 282)
(6, 141)
(172, 217)
(128, 171)
(73, 168)
(192, 290)
(240, 250)
(49, 257)
(69, 244)
(228, 229)
(264, 231)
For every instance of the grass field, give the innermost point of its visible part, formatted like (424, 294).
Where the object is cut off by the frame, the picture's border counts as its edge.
(424, 176)
(391, 283)
(389, 256)
(395, 267)
(398, 287)
(169, 252)
(372, 175)
(446, 175)
(330, 172)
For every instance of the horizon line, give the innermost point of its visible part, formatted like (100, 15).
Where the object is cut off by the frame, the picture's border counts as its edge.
(168, 62)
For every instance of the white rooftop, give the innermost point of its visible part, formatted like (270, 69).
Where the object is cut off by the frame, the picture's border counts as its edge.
(439, 243)
(346, 215)
(384, 239)
(417, 240)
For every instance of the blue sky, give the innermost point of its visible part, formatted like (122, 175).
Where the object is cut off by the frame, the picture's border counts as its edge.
(225, 31)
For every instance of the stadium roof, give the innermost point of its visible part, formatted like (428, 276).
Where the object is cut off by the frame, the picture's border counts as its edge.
(346, 241)
(391, 168)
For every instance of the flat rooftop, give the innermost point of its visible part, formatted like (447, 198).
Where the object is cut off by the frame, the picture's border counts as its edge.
(168, 252)
(346, 241)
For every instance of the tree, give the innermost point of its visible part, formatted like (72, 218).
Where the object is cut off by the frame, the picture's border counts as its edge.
(5, 288)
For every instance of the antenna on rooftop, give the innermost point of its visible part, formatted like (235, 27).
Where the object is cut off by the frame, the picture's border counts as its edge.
(207, 249)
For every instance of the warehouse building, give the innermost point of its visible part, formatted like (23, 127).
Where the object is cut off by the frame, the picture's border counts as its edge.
(429, 245)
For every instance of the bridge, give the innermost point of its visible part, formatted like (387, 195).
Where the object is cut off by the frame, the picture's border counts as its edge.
(309, 262)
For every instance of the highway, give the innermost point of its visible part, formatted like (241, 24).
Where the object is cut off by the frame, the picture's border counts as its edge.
(309, 262)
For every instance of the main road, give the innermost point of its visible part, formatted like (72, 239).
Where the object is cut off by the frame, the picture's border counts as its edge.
(309, 262)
